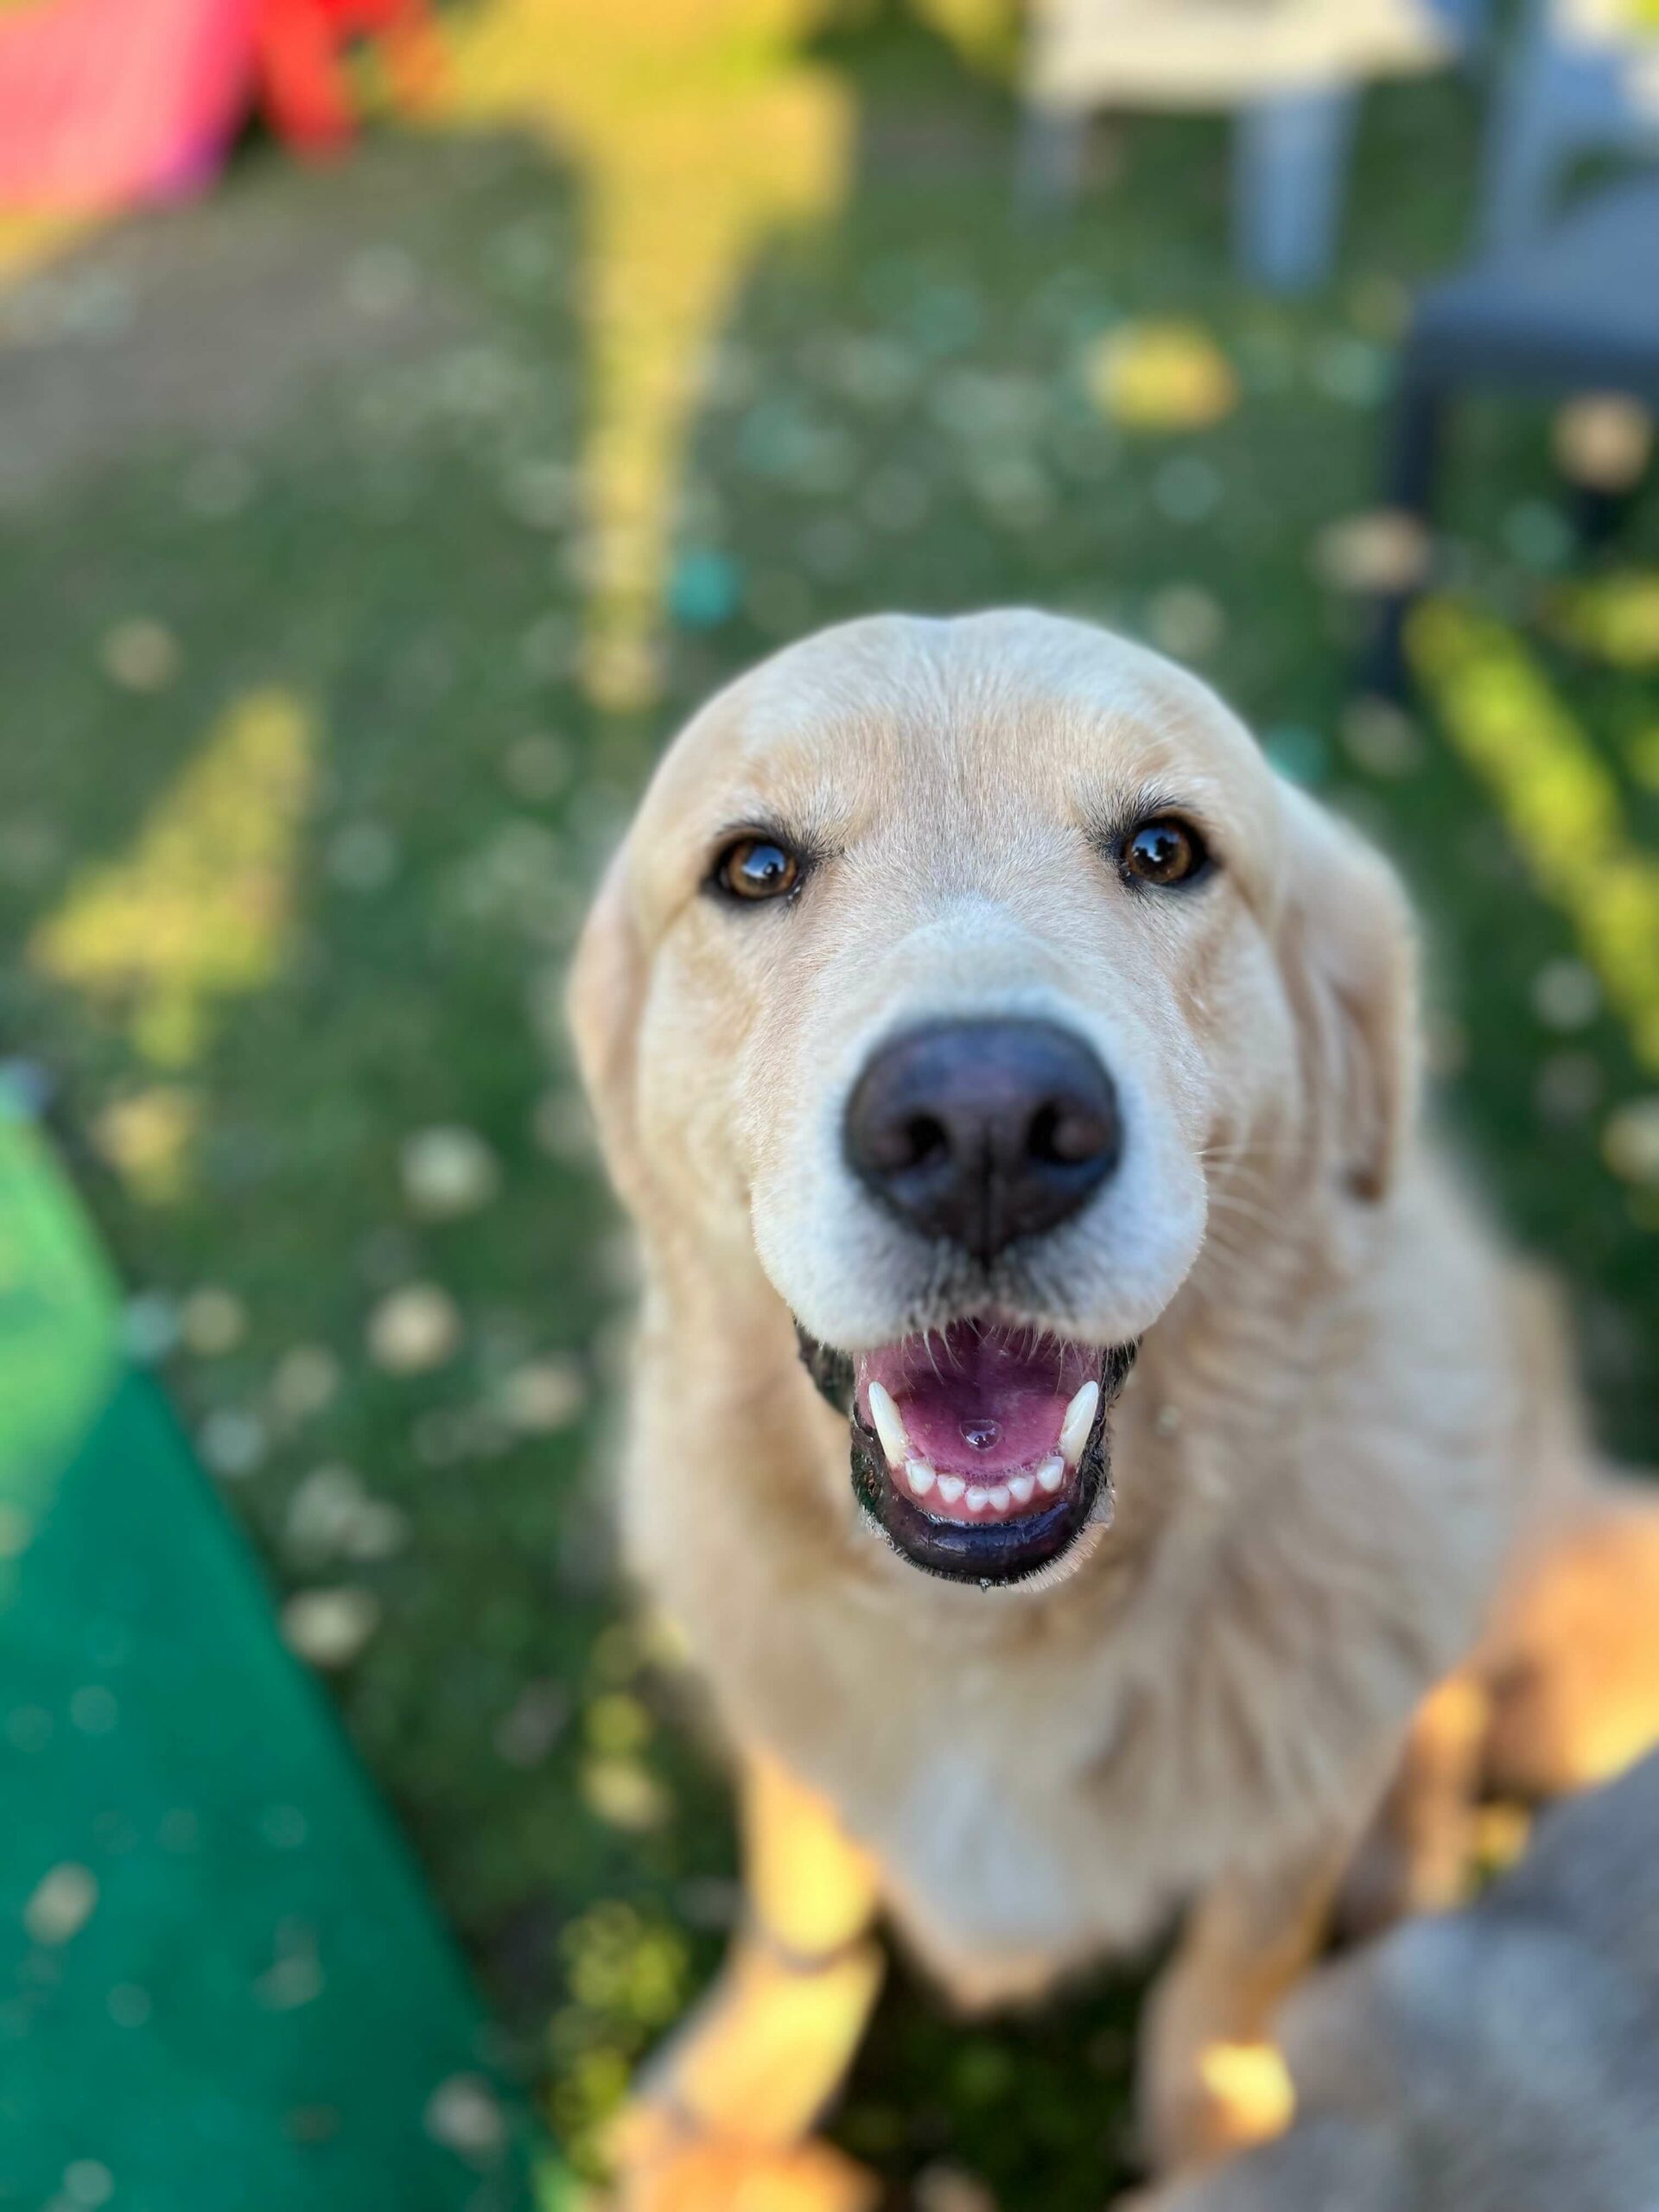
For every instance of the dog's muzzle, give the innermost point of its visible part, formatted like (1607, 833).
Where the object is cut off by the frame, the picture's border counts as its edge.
(980, 1451)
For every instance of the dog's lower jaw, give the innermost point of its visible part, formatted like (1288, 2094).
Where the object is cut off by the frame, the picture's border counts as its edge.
(992, 1555)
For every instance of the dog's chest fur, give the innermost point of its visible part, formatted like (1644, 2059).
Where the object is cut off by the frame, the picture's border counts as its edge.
(1303, 1546)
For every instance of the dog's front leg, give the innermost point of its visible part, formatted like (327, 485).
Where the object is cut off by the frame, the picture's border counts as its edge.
(1418, 1853)
(729, 2101)
(1212, 2079)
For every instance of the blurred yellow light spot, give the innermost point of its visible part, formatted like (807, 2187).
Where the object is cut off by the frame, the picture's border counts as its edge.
(1161, 376)
(1561, 801)
(584, 2100)
(624, 1966)
(146, 1140)
(618, 1723)
(1251, 2081)
(200, 910)
(667, 1645)
(1604, 441)
(697, 131)
(30, 237)
(1500, 1832)
(1616, 618)
(625, 1794)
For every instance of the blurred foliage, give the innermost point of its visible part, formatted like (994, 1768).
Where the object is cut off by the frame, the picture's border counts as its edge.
(852, 380)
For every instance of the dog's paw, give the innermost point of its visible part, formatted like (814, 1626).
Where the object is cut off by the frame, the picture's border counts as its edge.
(662, 2168)
(1236, 2095)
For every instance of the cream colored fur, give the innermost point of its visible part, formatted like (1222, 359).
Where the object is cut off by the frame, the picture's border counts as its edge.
(1336, 1429)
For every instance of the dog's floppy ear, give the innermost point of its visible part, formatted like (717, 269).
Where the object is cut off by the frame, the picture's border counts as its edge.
(604, 1002)
(1349, 950)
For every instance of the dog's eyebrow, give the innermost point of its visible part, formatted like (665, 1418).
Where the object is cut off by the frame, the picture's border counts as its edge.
(1109, 818)
(808, 842)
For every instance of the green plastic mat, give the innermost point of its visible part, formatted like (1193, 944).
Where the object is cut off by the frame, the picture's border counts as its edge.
(222, 1983)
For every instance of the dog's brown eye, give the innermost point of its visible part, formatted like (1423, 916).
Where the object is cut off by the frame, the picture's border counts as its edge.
(1164, 851)
(758, 868)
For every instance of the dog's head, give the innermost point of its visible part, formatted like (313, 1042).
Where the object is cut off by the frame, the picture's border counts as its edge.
(951, 973)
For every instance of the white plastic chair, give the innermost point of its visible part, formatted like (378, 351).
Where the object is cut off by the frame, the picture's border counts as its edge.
(1292, 69)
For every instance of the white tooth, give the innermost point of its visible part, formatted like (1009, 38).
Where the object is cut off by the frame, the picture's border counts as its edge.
(950, 1488)
(1021, 1487)
(1051, 1474)
(1080, 1419)
(999, 1497)
(919, 1476)
(978, 1499)
(888, 1427)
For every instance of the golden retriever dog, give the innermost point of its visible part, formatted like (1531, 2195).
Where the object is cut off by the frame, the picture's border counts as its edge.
(1075, 1419)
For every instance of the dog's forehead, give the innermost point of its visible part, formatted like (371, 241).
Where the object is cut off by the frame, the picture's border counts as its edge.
(988, 716)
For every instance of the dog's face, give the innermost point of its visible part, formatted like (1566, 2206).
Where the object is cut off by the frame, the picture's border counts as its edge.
(949, 972)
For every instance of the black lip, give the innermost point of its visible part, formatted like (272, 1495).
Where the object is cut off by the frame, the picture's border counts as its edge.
(991, 1554)
(831, 1370)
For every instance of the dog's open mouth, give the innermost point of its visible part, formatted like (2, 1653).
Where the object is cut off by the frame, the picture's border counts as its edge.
(980, 1449)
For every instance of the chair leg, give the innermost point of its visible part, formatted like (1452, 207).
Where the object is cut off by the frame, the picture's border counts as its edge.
(1418, 441)
(1049, 162)
(1533, 135)
(1599, 515)
(1413, 470)
(1290, 157)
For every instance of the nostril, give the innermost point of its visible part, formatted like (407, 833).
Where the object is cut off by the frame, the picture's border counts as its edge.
(1068, 1135)
(929, 1140)
(916, 1142)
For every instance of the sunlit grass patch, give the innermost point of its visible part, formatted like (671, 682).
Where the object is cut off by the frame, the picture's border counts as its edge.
(201, 910)
(1559, 795)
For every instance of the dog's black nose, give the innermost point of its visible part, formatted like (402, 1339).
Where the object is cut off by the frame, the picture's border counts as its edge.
(984, 1131)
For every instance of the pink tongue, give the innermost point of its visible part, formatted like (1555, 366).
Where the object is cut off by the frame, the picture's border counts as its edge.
(982, 1401)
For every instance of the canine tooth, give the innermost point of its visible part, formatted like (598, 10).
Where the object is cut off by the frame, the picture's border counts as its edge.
(978, 1499)
(1051, 1474)
(919, 1476)
(950, 1488)
(1021, 1487)
(1000, 1495)
(888, 1426)
(1080, 1419)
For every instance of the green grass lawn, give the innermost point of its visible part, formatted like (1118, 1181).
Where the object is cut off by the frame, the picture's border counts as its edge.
(900, 415)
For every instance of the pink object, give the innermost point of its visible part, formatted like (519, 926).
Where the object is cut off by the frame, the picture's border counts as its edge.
(103, 102)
